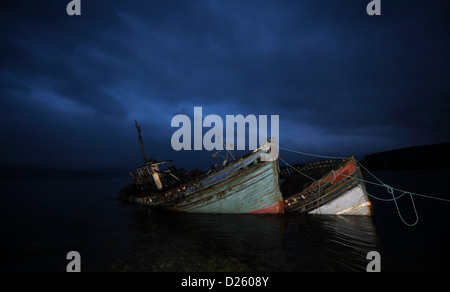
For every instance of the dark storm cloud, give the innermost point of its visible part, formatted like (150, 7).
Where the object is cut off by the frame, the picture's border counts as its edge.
(341, 81)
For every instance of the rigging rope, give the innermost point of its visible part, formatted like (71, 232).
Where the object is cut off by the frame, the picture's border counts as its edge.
(390, 190)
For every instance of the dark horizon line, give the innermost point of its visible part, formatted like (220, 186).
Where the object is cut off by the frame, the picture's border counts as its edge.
(9, 171)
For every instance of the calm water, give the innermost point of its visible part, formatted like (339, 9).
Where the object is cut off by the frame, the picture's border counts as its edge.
(44, 219)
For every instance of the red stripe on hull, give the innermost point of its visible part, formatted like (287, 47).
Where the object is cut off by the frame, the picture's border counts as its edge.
(347, 170)
(277, 209)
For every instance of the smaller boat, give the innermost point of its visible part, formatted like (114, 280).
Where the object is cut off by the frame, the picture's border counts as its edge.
(331, 187)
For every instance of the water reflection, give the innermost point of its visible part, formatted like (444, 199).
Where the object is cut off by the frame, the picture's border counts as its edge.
(330, 243)
(44, 219)
(170, 241)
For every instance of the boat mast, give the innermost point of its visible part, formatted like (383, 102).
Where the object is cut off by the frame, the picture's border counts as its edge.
(140, 140)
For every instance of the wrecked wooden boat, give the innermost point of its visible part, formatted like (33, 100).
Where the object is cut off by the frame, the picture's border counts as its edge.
(332, 187)
(250, 185)
(247, 185)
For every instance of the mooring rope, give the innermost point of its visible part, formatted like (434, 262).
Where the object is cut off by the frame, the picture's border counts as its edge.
(317, 194)
(295, 169)
(391, 190)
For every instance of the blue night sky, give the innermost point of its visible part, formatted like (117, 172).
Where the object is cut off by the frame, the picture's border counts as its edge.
(343, 83)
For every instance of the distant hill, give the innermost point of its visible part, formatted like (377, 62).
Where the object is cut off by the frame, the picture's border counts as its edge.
(419, 157)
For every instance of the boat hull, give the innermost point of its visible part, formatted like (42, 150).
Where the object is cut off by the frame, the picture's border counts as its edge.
(351, 202)
(253, 192)
(340, 192)
(245, 186)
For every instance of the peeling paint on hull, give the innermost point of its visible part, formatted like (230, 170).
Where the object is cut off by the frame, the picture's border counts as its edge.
(352, 202)
(245, 186)
(255, 191)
